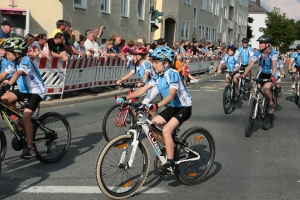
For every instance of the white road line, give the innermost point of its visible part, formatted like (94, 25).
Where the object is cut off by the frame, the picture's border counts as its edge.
(212, 90)
(215, 80)
(220, 88)
(84, 189)
(290, 90)
(194, 90)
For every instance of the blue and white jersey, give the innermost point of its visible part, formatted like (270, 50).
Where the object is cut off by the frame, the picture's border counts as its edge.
(4, 64)
(142, 69)
(245, 54)
(278, 70)
(31, 81)
(232, 62)
(296, 57)
(266, 64)
(171, 79)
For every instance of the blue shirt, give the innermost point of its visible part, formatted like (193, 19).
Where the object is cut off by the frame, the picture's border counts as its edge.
(231, 61)
(171, 79)
(2, 34)
(4, 64)
(116, 48)
(31, 82)
(142, 69)
(296, 58)
(266, 64)
(245, 54)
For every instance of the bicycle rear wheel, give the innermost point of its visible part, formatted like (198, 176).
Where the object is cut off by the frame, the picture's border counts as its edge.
(267, 120)
(227, 100)
(110, 127)
(114, 176)
(249, 118)
(193, 172)
(52, 137)
(296, 92)
(3, 145)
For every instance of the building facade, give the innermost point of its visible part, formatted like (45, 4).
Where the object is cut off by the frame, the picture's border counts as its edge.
(128, 18)
(220, 22)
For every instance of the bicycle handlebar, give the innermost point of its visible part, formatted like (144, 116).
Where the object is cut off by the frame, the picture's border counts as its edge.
(132, 85)
(231, 73)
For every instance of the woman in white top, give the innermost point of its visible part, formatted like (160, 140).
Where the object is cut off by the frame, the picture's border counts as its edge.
(40, 46)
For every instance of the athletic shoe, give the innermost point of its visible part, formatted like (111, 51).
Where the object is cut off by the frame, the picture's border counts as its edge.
(271, 109)
(293, 85)
(28, 152)
(166, 169)
(279, 94)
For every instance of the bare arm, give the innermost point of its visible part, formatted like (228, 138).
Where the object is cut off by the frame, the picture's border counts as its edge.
(274, 62)
(139, 92)
(127, 76)
(290, 63)
(249, 67)
(15, 77)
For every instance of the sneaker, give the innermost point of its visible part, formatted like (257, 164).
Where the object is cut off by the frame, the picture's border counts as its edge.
(166, 169)
(28, 152)
(271, 109)
(293, 85)
(279, 94)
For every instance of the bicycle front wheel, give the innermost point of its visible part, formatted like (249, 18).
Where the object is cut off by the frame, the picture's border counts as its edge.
(52, 137)
(193, 172)
(249, 118)
(227, 100)
(111, 125)
(3, 145)
(115, 178)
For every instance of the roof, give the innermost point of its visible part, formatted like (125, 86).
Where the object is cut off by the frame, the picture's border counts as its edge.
(293, 46)
(254, 8)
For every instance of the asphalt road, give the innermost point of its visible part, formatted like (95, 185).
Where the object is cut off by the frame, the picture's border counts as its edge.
(264, 166)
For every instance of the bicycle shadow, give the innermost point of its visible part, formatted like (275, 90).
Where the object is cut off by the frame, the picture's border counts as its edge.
(16, 170)
(290, 98)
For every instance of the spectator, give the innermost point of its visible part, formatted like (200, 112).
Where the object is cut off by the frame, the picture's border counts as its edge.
(122, 44)
(98, 33)
(117, 42)
(178, 65)
(107, 49)
(80, 45)
(182, 50)
(195, 48)
(69, 43)
(60, 27)
(40, 46)
(212, 70)
(127, 49)
(148, 46)
(5, 30)
(161, 42)
(90, 45)
(29, 38)
(56, 47)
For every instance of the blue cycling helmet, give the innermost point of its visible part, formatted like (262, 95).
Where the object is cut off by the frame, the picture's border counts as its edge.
(163, 53)
(231, 47)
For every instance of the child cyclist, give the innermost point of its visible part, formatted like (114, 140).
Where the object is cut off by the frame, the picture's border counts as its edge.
(30, 84)
(4, 62)
(174, 92)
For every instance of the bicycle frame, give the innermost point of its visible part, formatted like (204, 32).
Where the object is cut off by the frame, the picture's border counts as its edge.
(260, 97)
(145, 123)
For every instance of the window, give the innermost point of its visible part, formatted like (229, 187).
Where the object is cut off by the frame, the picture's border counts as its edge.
(240, 19)
(224, 37)
(80, 4)
(209, 5)
(105, 6)
(187, 2)
(235, 17)
(185, 30)
(217, 8)
(201, 32)
(141, 9)
(195, 17)
(225, 12)
(125, 8)
(204, 3)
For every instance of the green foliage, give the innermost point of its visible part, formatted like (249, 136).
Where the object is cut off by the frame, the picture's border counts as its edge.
(282, 29)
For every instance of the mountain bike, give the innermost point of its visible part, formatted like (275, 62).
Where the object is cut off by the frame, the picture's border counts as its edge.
(119, 117)
(229, 93)
(244, 86)
(258, 108)
(52, 135)
(297, 87)
(123, 164)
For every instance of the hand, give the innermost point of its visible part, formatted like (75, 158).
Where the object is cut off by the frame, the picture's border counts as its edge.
(5, 88)
(290, 71)
(118, 82)
(219, 71)
(282, 76)
(120, 100)
(273, 78)
(242, 76)
(141, 84)
(152, 107)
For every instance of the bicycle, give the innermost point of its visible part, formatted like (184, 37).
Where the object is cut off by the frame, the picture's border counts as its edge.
(50, 147)
(244, 86)
(123, 164)
(229, 94)
(119, 116)
(258, 108)
(297, 88)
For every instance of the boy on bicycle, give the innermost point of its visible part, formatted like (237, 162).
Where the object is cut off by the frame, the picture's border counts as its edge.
(30, 83)
(268, 61)
(174, 92)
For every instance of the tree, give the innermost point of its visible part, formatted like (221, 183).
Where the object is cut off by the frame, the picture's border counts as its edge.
(282, 29)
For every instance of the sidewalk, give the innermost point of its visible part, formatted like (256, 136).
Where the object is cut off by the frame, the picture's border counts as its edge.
(88, 97)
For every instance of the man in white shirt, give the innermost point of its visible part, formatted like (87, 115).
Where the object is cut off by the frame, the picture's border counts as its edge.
(90, 45)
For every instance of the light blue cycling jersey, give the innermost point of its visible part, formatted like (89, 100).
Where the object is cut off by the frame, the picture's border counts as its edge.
(266, 64)
(142, 69)
(245, 54)
(31, 81)
(4, 64)
(232, 61)
(171, 79)
(296, 58)
(278, 71)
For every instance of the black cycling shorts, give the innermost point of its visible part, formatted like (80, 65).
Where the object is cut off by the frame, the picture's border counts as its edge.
(261, 75)
(33, 99)
(181, 114)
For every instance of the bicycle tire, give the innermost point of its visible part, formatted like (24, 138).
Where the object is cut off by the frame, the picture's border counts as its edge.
(268, 118)
(108, 133)
(249, 118)
(117, 146)
(196, 170)
(3, 145)
(47, 143)
(227, 100)
(296, 99)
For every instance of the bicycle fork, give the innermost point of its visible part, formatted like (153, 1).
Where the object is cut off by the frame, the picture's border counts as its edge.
(120, 116)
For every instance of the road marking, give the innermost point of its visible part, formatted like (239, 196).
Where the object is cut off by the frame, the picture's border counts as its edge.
(212, 90)
(83, 189)
(215, 80)
(194, 90)
(290, 90)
